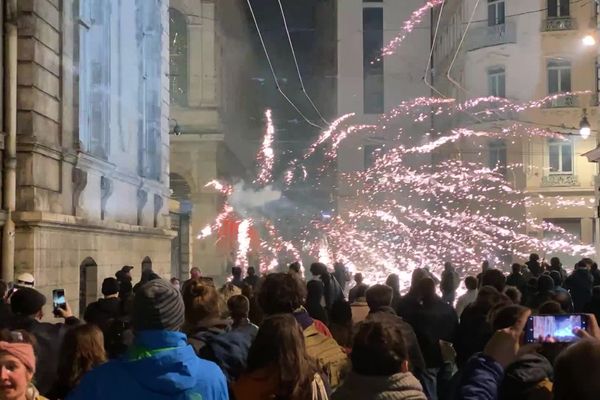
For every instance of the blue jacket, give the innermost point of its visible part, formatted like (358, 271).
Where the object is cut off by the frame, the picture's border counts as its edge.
(481, 379)
(161, 365)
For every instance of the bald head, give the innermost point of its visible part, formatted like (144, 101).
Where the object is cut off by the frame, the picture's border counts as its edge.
(576, 372)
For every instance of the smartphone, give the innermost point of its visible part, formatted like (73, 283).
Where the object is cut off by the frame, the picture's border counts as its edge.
(554, 328)
(58, 299)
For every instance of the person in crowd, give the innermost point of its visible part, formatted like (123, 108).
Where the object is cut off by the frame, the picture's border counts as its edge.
(228, 290)
(580, 284)
(5, 313)
(544, 293)
(236, 273)
(239, 308)
(561, 295)
(411, 300)
(379, 298)
(550, 307)
(147, 276)
(251, 277)
(283, 293)
(469, 297)
(210, 334)
(82, 351)
(474, 329)
(450, 282)
(593, 306)
(483, 373)
(435, 321)
(534, 265)
(17, 366)
(595, 273)
(195, 274)
(103, 311)
(556, 265)
(27, 307)
(494, 278)
(315, 301)
(516, 278)
(380, 364)
(341, 275)
(513, 294)
(576, 369)
(530, 290)
(333, 291)
(393, 281)
(161, 364)
(341, 324)
(295, 269)
(176, 283)
(352, 295)
(279, 365)
(359, 307)
(255, 315)
(485, 265)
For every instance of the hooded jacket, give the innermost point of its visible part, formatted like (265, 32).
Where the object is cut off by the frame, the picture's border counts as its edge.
(580, 284)
(401, 386)
(160, 366)
(528, 378)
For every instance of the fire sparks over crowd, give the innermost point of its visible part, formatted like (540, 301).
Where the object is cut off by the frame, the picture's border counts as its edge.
(404, 214)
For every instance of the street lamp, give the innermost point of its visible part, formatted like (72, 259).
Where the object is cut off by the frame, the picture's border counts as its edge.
(589, 40)
(585, 129)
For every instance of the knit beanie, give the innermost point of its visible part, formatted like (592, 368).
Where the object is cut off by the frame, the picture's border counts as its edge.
(27, 301)
(158, 306)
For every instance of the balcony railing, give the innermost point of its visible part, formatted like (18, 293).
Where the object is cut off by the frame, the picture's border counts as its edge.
(559, 24)
(560, 180)
(486, 36)
(564, 101)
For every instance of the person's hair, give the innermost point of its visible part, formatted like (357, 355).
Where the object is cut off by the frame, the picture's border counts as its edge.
(295, 266)
(250, 271)
(280, 343)
(545, 283)
(556, 277)
(393, 281)
(318, 268)
(361, 291)
(513, 294)
(417, 275)
(471, 282)
(504, 316)
(201, 301)
(82, 350)
(495, 278)
(194, 269)
(534, 257)
(379, 296)
(281, 293)
(516, 268)
(555, 262)
(236, 271)
(341, 313)
(358, 278)
(550, 307)
(576, 372)
(581, 264)
(239, 306)
(489, 296)
(378, 348)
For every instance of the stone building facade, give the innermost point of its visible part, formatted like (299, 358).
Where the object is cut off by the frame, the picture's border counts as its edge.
(92, 142)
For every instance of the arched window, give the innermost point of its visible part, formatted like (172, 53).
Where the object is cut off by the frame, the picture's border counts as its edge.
(178, 57)
(88, 283)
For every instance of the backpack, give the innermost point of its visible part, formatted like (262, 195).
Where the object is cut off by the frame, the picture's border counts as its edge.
(328, 354)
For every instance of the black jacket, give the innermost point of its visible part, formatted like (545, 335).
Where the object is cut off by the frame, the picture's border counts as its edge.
(433, 321)
(473, 333)
(101, 312)
(580, 284)
(517, 280)
(416, 360)
(523, 377)
(49, 339)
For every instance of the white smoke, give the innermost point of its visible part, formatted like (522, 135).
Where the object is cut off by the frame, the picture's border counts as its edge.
(247, 201)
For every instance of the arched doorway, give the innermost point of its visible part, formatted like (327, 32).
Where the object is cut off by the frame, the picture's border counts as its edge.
(146, 264)
(88, 283)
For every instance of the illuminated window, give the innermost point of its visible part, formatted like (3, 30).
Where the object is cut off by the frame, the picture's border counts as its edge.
(178, 57)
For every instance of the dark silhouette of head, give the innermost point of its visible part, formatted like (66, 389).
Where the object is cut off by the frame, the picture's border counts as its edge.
(358, 278)
(379, 296)
(513, 294)
(495, 278)
(393, 281)
(555, 263)
(576, 372)
(556, 277)
(516, 268)
(534, 257)
(318, 269)
(281, 293)
(471, 282)
(545, 283)
(295, 267)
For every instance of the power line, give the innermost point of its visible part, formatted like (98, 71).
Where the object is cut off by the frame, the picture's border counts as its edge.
(273, 69)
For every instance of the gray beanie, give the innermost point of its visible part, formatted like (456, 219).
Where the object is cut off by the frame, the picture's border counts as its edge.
(158, 306)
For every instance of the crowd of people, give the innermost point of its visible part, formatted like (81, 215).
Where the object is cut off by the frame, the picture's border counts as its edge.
(278, 336)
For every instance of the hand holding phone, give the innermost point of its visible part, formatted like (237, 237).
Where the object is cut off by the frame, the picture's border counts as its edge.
(59, 302)
(555, 328)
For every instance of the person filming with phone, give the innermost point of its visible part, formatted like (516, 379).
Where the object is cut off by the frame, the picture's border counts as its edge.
(27, 305)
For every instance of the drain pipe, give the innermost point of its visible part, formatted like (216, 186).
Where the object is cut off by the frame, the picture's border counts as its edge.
(10, 128)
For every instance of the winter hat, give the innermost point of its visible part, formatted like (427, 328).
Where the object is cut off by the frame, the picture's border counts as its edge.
(158, 306)
(110, 286)
(27, 301)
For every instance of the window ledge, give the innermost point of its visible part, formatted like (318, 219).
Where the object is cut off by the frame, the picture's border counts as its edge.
(557, 24)
(560, 180)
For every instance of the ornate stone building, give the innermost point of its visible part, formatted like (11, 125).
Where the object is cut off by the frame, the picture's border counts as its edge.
(92, 143)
